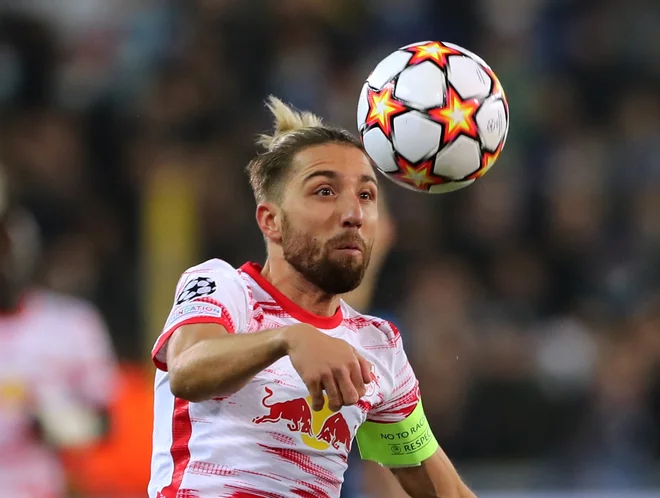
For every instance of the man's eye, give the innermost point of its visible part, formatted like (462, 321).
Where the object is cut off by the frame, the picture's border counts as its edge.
(324, 192)
(366, 196)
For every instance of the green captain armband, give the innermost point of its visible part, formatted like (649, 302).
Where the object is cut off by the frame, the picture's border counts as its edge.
(401, 444)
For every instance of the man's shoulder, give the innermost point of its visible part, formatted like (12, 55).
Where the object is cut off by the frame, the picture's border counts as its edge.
(208, 277)
(214, 271)
(215, 266)
(65, 306)
(61, 322)
(357, 321)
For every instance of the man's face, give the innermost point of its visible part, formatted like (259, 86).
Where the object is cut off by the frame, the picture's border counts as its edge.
(329, 216)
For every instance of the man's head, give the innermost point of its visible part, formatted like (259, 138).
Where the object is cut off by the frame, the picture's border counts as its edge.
(316, 198)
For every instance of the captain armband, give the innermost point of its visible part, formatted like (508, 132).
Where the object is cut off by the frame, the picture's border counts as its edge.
(402, 444)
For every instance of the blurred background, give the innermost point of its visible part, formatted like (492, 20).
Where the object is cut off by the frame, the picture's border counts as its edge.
(529, 303)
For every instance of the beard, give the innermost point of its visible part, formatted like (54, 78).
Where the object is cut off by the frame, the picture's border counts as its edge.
(314, 260)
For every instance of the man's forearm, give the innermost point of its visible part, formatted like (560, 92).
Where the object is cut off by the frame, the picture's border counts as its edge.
(222, 364)
(436, 477)
(465, 492)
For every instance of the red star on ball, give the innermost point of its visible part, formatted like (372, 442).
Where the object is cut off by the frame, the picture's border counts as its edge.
(434, 51)
(487, 161)
(382, 108)
(457, 116)
(420, 175)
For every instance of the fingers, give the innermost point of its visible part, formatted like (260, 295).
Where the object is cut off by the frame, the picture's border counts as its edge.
(365, 368)
(349, 392)
(335, 399)
(356, 378)
(342, 375)
(315, 389)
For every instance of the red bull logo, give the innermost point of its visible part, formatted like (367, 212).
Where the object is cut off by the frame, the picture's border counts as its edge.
(296, 412)
(319, 430)
(335, 432)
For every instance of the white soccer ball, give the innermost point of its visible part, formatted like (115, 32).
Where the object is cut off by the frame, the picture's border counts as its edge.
(433, 117)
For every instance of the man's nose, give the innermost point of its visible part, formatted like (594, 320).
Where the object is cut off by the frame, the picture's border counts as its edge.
(351, 211)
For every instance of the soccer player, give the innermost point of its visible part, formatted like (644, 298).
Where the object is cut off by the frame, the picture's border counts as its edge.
(56, 368)
(265, 376)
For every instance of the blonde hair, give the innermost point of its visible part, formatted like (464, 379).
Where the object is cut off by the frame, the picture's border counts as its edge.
(286, 121)
(293, 131)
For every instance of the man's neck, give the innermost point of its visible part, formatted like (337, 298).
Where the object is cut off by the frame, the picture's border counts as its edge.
(299, 290)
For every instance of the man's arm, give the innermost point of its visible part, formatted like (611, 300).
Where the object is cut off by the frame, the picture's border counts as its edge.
(397, 435)
(436, 477)
(205, 361)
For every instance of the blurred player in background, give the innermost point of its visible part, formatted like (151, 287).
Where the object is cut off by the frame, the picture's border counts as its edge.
(56, 367)
(265, 376)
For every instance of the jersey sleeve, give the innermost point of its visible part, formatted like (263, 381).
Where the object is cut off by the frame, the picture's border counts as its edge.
(403, 397)
(212, 292)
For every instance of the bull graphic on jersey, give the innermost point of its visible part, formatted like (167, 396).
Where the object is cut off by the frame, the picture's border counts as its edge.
(319, 430)
(335, 431)
(197, 287)
(295, 411)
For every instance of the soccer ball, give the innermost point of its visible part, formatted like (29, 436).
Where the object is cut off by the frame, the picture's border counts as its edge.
(433, 117)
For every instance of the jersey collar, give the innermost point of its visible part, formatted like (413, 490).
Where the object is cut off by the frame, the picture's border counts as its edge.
(297, 312)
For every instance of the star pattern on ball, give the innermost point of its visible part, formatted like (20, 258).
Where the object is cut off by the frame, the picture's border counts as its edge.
(487, 161)
(457, 116)
(433, 51)
(382, 108)
(420, 175)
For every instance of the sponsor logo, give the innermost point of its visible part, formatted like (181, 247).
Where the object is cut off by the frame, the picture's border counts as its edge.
(196, 309)
(319, 430)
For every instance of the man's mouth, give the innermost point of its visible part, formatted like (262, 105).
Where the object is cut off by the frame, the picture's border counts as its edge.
(351, 247)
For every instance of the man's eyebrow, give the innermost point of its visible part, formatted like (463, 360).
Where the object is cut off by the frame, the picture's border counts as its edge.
(369, 179)
(326, 173)
(333, 175)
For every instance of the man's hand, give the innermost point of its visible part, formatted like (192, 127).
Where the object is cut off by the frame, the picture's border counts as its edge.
(327, 363)
(205, 361)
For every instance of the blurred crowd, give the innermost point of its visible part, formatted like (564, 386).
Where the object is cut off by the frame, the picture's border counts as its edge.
(529, 303)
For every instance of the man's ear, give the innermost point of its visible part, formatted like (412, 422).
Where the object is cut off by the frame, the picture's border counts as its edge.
(269, 221)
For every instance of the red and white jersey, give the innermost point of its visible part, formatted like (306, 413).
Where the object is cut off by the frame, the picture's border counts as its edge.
(265, 441)
(55, 346)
